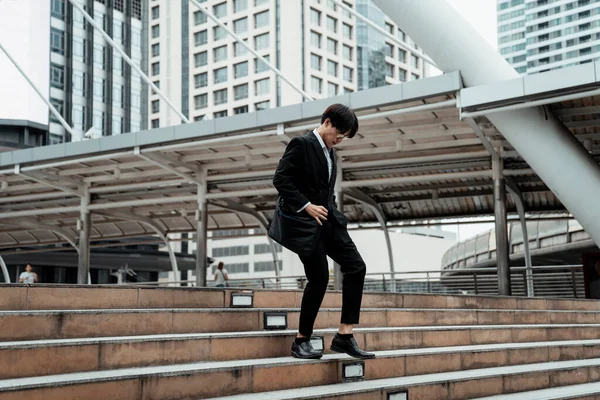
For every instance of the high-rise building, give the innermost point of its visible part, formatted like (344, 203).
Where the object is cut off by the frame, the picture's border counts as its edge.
(320, 47)
(73, 66)
(540, 35)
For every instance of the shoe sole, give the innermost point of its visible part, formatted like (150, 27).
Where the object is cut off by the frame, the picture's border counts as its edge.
(340, 350)
(315, 357)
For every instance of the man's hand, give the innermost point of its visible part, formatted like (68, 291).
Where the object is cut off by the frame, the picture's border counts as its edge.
(317, 212)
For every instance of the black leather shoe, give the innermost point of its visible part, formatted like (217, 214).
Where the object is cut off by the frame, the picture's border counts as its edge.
(350, 347)
(305, 350)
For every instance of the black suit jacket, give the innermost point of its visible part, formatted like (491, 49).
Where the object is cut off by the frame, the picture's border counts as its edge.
(302, 176)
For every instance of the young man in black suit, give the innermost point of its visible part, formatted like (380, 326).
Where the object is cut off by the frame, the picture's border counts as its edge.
(308, 222)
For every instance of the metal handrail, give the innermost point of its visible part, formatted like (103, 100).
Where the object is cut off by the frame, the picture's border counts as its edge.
(547, 281)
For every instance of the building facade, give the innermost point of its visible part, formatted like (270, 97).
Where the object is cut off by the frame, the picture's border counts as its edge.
(540, 35)
(83, 77)
(317, 45)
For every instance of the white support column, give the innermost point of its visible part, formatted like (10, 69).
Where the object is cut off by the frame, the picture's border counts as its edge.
(128, 60)
(85, 226)
(539, 137)
(361, 197)
(5, 271)
(518, 198)
(201, 236)
(273, 68)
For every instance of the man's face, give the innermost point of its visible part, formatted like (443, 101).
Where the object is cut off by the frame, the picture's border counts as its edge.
(331, 135)
(28, 268)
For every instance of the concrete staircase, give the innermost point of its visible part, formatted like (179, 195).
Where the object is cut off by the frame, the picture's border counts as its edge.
(65, 342)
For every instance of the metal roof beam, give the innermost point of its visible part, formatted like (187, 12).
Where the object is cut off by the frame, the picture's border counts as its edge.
(52, 181)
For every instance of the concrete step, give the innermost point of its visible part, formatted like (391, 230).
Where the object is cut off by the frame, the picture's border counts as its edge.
(62, 324)
(50, 357)
(584, 391)
(459, 385)
(532, 366)
(66, 297)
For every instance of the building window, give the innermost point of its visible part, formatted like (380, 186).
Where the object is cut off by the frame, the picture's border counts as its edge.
(155, 123)
(332, 68)
(234, 268)
(332, 5)
(265, 266)
(220, 114)
(260, 2)
(240, 5)
(348, 74)
(266, 248)
(401, 35)
(347, 53)
(261, 66)
(117, 125)
(220, 97)
(155, 106)
(261, 19)
(117, 64)
(99, 91)
(200, 38)
(239, 50)
(98, 121)
(331, 24)
(155, 68)
(57, 41)
(57, 76)
(315, 62)
(79, 49)
(401, 75)
(316, 84)
(240, 26)
(220, 10)
(414, 61)
(220, 75)
(79, 85)
(219, 33)
(200, 59)
(200, 101)
(240, 70)
(78, 116)
(155, 50)
(199, 118)
(263, 105)
(199, 18)
(240, 110)
(241, 91)
(332, 46)
(332, 89)
(401, 55)
(347, 31)
(389, 70)
(261, 41)
(58, 9)
(58, 104)
(155, 31)
(201, 80)
(100, 55)
(117, 97)
(315, 16)
(315, 39)
(220, 53)
(389, 50)
(261, 87)
(118, 30)
(155, 12)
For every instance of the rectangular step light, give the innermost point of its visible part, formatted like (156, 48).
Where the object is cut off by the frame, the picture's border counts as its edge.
(318, 342)
(402, 395)
(353, 371)
(275, 320)
(242, 299)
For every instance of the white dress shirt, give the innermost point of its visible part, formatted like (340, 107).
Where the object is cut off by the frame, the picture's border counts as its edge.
(327, 157)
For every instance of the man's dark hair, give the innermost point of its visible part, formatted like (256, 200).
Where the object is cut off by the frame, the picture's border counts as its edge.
(342, 118)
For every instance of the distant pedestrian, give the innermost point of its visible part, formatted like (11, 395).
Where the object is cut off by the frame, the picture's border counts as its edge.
(28, 276)
(221, 276)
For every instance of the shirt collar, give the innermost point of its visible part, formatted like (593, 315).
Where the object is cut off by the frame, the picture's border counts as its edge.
(320, 139)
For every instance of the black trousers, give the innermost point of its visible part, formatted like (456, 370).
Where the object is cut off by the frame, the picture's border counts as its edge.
(335, 242)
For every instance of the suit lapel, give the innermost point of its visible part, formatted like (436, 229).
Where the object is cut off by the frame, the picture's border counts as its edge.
(333, 168)
(320, 155)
